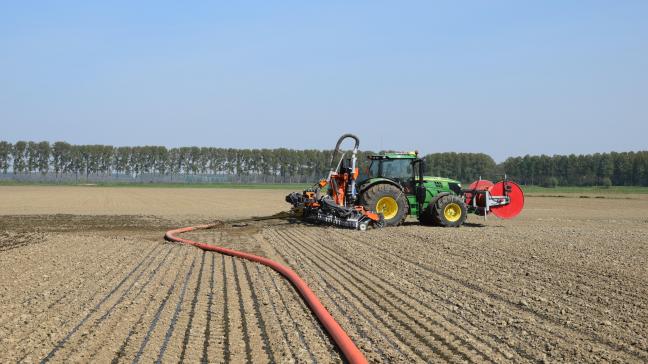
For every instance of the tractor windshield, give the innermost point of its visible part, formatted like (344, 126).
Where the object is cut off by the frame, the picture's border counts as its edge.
(397, 168)
(391, 168)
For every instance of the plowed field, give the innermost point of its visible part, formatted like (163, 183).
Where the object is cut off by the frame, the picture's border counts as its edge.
(94, 281)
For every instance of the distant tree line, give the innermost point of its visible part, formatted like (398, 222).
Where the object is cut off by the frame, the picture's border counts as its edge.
(599, 169)
(61, 158)
(85, 160)
(465, 167)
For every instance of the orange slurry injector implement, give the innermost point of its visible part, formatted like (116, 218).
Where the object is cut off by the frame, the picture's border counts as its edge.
(349, 350)
(339, 205)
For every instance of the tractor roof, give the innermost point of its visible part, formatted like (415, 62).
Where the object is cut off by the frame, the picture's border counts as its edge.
(396, 155)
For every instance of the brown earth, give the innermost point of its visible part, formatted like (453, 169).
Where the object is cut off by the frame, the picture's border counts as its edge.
(92, 280)
(176, 203)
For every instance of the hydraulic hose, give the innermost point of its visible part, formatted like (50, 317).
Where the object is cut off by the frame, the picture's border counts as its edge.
(349, 350)
(339, 142)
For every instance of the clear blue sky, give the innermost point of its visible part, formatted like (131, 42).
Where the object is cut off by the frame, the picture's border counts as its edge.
(502, 77)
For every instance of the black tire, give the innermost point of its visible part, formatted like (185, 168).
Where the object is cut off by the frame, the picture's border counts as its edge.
(455, 205)
(370, 197)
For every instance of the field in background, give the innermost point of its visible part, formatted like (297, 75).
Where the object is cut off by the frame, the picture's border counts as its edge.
(261, 186)
(221, 203)
(203, 202)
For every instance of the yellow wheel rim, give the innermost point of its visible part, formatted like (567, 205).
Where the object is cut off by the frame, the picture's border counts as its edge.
(387, 206)
(452, 212)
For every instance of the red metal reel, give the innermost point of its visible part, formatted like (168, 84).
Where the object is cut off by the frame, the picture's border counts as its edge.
(516, 198)
(482, 185)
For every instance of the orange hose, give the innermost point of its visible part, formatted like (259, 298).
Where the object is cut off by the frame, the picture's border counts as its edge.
(349, 350)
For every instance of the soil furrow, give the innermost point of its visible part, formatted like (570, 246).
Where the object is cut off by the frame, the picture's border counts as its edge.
(528, 353)
(273, 320)
(245, 330)
(413, 339)
(156, 318)
(15, 246)
(318, 341)
(438, 343)
(257, 313)
(227, 354)
(504, 255)
(75, 345)
(477, 295)
(62, 342)
(332, 297)
(407, 289)
(321, 344)
(192, 311)
(304, 349)
(128, 330)
(24, 335)
(549, 326)
(176, 312)
(64, 292)
(495, 260)
(210, 301)
(393, 292)
(444, 331)
(216, 345)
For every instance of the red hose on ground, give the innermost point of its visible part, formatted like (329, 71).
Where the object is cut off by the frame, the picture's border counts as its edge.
(350, 351)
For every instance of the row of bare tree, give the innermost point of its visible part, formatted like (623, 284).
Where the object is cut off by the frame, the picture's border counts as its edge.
(61, 158)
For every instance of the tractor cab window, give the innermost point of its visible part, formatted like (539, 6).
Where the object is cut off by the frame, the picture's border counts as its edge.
(397, 169)
(390, 168)
(374, 169)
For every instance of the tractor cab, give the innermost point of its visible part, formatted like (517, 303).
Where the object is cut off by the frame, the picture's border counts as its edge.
(396, 167)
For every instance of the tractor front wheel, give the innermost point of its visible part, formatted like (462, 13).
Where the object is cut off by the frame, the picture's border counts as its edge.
(387, 200)
(449, 211)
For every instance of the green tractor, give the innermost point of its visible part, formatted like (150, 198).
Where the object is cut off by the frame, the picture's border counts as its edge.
(393, 187)
(396, 187)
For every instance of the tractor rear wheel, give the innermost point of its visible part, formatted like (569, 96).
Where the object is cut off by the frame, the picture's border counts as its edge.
(449, 211)
(387, 200)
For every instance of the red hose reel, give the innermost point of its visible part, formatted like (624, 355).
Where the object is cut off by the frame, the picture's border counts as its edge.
(505, 199)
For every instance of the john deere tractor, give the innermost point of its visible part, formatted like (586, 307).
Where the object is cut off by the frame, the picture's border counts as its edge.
(393, 187)
(396, 187)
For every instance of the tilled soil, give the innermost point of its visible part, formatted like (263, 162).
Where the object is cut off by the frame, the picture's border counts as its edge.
(84, 297)
(458, 303)
(566, 282)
